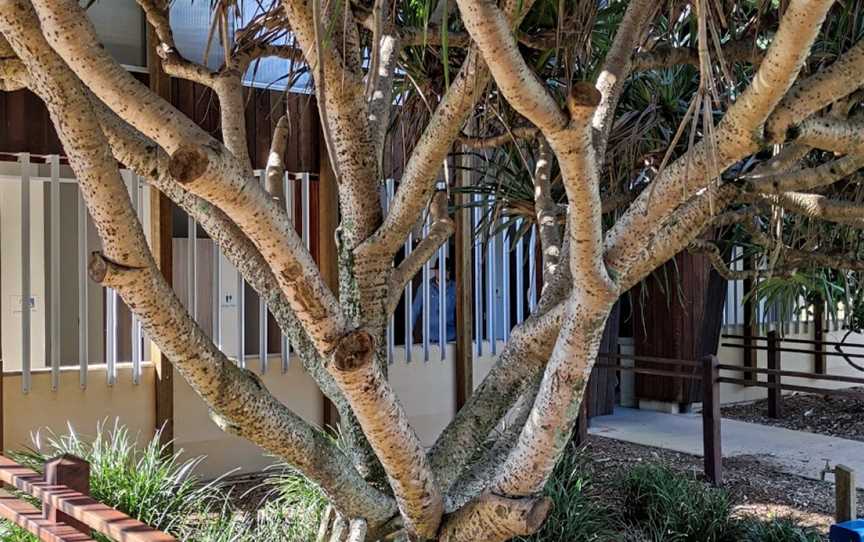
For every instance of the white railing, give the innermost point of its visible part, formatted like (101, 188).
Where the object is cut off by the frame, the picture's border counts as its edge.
(94, 328)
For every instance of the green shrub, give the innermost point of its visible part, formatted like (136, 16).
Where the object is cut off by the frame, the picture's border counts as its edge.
(780, 529)
(148, 484)
(575, 516)
(670, 507)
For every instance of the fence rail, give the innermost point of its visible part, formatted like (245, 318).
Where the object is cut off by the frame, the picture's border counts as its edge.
(774, 371)
(68, 514)
(707, 371)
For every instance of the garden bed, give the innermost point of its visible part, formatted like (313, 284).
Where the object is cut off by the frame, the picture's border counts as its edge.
(832, 415)
(754, 486)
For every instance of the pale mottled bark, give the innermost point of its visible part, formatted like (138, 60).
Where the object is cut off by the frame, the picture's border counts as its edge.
(738, 134)
(493, 141)
(664, 56)
(617, 66)
(832, 134)
(126, 265)
(386, 426)
(524, 355)
(274, 175)
(440, 230)
(493, 518)
(807, 179)
(546, 211)
(821, 207)
(427, 157)
(203, 166)
(821, 89)
(341, 93)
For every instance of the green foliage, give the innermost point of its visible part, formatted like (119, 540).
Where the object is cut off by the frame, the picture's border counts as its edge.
(149, 484)
(781, 529)
(575, 516)
(164, 491)
(674, 508)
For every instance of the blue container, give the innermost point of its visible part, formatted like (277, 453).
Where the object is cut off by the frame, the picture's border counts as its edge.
(848, 531)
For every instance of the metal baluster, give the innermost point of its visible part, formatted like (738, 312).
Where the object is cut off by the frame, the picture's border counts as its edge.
(54, 162)
(192, 267)
(241, 321)
(216, 301)
(532, 269)
(426, 313)
(24, 161)
(136, 324)
(289, 209)
(409, 304)
(490, 293)
(83, 293)
(442, 301)
(505, 273)
(478, 279)
(111, 335)
(520, 278)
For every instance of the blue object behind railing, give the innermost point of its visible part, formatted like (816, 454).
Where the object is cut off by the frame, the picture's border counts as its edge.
(848, 531)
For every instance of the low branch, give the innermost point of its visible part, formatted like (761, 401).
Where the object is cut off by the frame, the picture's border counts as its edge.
(818, 91)
(665, 56)
(441, 229)
(495, 141)
(546, 211)
(524, 355)
(737, 136)
(275, 172)
(820, 207)
(806, 179)
(712, 251)
(386, 426)
(831, 134)
(127, 266)
(13, 75)
(493, 518)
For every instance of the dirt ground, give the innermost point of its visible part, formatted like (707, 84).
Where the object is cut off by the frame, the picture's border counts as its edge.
(830, 415)
(756, 487)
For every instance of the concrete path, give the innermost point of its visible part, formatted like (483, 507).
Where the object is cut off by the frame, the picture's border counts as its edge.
(794, 452)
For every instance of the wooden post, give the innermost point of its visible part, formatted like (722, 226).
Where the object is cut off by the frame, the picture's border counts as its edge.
(819, 365)
(845, 494)
(161, 246)
(328, 263)
(463, 368)
(774, 391)
(74, 473)
(711, 444)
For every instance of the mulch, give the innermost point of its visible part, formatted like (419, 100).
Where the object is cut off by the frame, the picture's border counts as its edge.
(832, 415)
(754, 484)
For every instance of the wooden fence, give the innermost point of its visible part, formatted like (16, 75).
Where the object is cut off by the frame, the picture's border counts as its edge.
(705, 371)
(68, 514)
(774, 372)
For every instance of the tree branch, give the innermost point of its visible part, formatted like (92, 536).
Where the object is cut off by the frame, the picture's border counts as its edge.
(386, 426)
(203, 166)
(819, 90)
(546, 212)
(493, 518)
(274, 176)
(664, 56)
(807, 179)
(737, 135)
(127, 266)
(616, 68)
(441, 229)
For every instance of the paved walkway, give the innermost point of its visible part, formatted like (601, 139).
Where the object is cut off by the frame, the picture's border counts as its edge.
(794, 452)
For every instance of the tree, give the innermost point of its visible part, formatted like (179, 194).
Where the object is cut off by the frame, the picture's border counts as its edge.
(555, 72)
